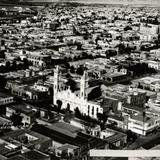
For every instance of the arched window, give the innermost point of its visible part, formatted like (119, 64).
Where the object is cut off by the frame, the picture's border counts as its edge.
(68, 107)
(92, 110)
(88, 109)
(97, 110)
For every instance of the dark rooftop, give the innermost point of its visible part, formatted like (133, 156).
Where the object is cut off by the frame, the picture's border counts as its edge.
(31, 155)
(34, 154)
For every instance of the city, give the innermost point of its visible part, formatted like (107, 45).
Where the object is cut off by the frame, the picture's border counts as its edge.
(78, 76)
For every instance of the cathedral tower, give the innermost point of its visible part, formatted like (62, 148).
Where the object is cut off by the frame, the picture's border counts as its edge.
(56, 84)
(84, 85)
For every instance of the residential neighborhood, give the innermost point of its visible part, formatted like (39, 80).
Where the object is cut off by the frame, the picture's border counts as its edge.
(78, 76)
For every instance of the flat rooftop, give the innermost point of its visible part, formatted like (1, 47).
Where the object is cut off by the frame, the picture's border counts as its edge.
(2, 95)
(64, 128)
(147, 80)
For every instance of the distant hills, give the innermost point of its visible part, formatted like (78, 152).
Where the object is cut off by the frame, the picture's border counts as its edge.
(154, 2)
(125, 2)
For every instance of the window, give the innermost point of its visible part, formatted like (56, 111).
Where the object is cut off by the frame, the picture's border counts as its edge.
(88, 109)
(97, 110)
(92, 110)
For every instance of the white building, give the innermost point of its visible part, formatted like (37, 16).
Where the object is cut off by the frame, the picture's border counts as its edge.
(143, 124)
(154, 64)
(39, 59)
(4, 99)
(77, 99)
(41, 87)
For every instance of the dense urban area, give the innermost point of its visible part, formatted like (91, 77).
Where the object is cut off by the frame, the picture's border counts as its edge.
(76, 77)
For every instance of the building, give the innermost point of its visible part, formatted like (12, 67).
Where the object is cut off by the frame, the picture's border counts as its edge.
(39, 59)
(9, 149)
(149, 29)
(5, 99)
(63, 134)
(114, 138)
(154, 64)
(143, 124)
(31, 155)
(148, 83)
(28, 139)
(125, 94)
(77, 99)
(27, 112)
(116, 76)
(70, 150)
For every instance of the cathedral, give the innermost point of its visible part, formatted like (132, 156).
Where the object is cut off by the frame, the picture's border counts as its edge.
(77, 99)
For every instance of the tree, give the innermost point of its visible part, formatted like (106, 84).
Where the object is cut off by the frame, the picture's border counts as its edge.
(80, 70)
(77, 112)
(3, 82)
(127, 28)
(121, 48)
(2, 54)
(72, 84)
(16, 119)
(95, 93)
(26, 63)
(68, 116)
(59, 105)
(102, 118)
(8, 65)
(79, 46)
(72, 69)
(64, 154)
(14, 65)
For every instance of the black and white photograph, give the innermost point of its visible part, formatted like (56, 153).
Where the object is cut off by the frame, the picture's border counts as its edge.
(79, 79)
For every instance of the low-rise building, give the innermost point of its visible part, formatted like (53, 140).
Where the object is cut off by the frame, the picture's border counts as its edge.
(114, 138)
(154, 64)
(28, 139)
(27, 112)
(69, 150)
(39, 59)
(143, 124)
(5, 99)
(31, 155)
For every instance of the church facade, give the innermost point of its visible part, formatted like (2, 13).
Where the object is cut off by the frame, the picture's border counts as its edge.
(77, 99)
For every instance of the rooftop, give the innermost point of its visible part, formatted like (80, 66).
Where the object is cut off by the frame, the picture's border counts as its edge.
(2, 95)
(66, 146)
(142, 118)
(15, 135)
(30, 155)
(24, 108)
(147, 80)
(34, 154)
